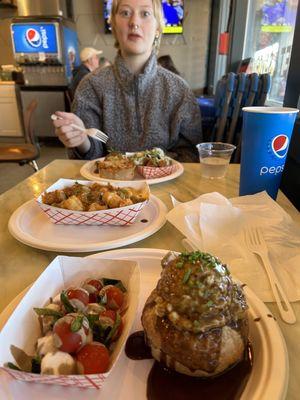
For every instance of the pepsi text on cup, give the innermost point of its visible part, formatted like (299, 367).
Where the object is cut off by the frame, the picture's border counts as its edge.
(279, 147)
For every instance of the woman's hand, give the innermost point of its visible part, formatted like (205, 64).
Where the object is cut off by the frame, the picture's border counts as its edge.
(68, 135)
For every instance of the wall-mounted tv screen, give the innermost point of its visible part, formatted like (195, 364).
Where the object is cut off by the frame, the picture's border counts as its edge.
(173, 12)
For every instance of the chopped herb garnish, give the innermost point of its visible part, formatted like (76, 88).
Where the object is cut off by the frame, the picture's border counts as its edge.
(77, 323)
(206, 260)
(210, 303)
(191, 283)
(200, 285)
(180, 264)
(186, 275)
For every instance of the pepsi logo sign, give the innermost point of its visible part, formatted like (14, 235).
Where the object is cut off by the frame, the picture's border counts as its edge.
(33, 37)
(280, 145)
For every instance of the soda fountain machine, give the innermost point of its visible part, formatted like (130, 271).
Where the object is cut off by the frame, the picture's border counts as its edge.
(47, 50)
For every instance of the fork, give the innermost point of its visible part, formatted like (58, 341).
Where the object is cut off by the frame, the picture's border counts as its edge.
(256, 244)
(93, 132)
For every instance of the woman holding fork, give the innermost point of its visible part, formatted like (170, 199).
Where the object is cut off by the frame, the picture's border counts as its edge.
(137, 103)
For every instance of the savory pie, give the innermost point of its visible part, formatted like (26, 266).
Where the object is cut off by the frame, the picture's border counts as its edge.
(195, 320)
(116, 166)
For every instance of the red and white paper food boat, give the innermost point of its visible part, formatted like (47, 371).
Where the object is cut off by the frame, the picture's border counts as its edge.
(114, 216)
(23, 328)
(156, 172)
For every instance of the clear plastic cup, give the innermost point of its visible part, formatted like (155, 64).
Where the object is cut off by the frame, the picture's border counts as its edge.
(214, 158)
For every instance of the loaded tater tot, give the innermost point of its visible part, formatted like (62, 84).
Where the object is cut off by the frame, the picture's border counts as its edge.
(72, 203)
(54, 197)
(95, 197)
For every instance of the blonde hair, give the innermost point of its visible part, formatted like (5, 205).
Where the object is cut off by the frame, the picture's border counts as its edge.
(158, 15)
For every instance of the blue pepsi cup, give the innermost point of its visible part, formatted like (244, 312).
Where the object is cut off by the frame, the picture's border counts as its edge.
(265, 142)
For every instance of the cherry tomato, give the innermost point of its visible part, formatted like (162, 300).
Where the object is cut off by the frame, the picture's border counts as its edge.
(65, 339)
(94, 282)
(93, 358)
(93, 286)
(93, 297)
(78, 297)
(108, 318)
(115, 296)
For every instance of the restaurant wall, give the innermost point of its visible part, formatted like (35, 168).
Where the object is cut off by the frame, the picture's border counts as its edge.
(6, 51)
(189, 50)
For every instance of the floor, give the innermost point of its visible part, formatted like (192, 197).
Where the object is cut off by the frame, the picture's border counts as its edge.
(11, 173)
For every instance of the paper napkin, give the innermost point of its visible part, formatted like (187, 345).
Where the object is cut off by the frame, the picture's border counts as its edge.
(216, 225)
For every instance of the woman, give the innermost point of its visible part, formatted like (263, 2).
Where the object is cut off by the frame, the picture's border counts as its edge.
(137, 103)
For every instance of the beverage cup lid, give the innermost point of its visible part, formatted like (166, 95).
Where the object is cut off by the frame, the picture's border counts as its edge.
(216, 146)
(271, 110)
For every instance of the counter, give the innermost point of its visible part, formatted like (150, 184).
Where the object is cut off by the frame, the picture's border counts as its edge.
(11, 119)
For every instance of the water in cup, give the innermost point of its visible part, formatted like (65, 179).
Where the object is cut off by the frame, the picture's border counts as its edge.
(214, 158)
(213, 167)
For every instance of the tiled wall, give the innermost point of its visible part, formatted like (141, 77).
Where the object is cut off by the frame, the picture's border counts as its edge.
(189, 51)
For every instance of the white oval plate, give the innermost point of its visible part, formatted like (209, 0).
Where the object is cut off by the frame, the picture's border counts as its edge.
(268, 380)
(31, 226)
(87, 170)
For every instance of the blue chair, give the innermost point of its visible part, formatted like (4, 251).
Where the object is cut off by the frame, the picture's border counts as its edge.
(207, 107)
(259, 87)
(222, 114)
(214, 110)
(263, 89)
(239, 96)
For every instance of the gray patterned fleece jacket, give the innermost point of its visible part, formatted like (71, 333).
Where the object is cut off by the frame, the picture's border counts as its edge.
(153, 109)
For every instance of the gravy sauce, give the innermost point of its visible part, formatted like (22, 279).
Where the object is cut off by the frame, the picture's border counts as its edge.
(166, 384)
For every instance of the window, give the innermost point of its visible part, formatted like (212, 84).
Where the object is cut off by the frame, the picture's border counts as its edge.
(269, 38)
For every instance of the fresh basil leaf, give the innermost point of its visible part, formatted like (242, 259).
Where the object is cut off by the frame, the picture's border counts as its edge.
(47, 312)
(114, 328)
(36, 365)
(77, 323)
(22, 359)
(66, 302)
(100, 332)
(92, 318)
(121, 286)
(12, 366)
(114, 282)
(103, 299)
